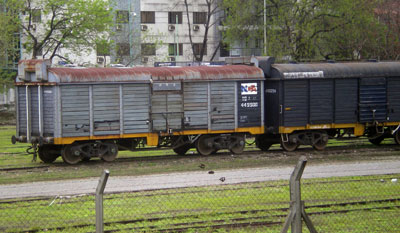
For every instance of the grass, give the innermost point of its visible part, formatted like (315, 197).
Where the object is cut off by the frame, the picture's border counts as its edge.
(15, 156)
(200, 209)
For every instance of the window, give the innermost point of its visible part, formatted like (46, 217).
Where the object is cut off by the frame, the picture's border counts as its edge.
(224, 50)
(172, 17)
(122, 17)
(148, 49)
(197, 49)
(36, 15)
(173, 49)
(199, 17)
(123, 49)
(147, 17)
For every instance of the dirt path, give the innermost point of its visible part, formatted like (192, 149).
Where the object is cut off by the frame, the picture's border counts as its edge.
(188, 179)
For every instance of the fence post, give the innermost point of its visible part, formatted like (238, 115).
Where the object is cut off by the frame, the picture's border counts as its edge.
(99, 201)
(297, 211)
(295, 193)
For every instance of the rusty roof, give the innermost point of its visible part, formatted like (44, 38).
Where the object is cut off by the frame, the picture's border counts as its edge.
(140, 74)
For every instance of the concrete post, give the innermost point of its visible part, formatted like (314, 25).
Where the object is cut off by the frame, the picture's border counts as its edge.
(99, 201)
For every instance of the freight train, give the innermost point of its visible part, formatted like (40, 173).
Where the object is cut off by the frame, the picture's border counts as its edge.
(79, 113)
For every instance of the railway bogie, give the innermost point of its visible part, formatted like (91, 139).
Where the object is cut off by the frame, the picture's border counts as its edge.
(208, 144)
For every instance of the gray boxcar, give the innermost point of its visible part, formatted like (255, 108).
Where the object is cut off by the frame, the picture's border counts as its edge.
(81, 113)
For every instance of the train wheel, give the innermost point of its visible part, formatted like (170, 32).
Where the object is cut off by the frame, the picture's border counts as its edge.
(376, 141)
(289, 146)
(111, 152)
(397, 137)
(321, 141)
(71, 155)
(182, 149)
(202, 145)
(320, 145)
(239, 146)
(48, 153)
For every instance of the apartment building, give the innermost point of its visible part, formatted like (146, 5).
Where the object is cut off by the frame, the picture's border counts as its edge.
(149, 31)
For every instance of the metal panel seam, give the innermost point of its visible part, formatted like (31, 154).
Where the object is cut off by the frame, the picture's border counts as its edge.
(262, 104)
(121, 110)
(17, 110)
(27, 105)
(40, 110)
(91, 122)
(236, 102)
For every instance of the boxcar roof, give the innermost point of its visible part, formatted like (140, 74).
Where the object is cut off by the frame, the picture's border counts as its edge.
(143, 74)
(335, 70)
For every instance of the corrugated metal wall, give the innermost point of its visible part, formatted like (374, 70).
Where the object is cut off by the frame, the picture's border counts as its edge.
(136, 102)
(223, 105)
(196, 105)
(372, 98)
(158, 111)
(166, 111)
(295, 105)
(48, 94)
(346, 100)
(106, 109)
(321, 101)
(34, 108)
(75, 110)
(175, 110)
(22, 110)
(393, 94)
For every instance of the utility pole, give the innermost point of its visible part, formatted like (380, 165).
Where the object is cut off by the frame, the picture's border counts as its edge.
(130, 33)
(265, 27)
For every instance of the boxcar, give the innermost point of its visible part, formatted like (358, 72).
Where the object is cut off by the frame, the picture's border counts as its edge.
(80, 113)
(306, 104)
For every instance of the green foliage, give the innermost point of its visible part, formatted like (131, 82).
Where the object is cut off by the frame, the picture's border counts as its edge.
(103, 47)
(312, 29)
(6, 79)
(72, 24)
(9, 37)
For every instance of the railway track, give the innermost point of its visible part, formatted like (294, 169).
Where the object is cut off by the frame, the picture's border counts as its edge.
(273, 152)
(262, 217)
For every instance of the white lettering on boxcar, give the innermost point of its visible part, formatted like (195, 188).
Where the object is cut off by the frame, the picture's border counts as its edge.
(295, 75)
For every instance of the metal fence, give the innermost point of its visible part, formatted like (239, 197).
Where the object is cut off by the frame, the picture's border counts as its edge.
(339, 204)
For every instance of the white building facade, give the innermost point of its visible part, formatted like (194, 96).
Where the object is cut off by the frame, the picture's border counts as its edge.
(149, 31)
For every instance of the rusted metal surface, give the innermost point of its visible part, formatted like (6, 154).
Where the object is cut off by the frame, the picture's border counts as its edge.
(79, 75)
(29, 65)
(336, 70)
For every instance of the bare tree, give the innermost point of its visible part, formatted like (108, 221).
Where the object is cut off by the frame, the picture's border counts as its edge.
(212, 19)
(72, 24)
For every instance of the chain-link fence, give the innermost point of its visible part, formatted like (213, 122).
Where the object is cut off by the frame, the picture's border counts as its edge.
(339, 204)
